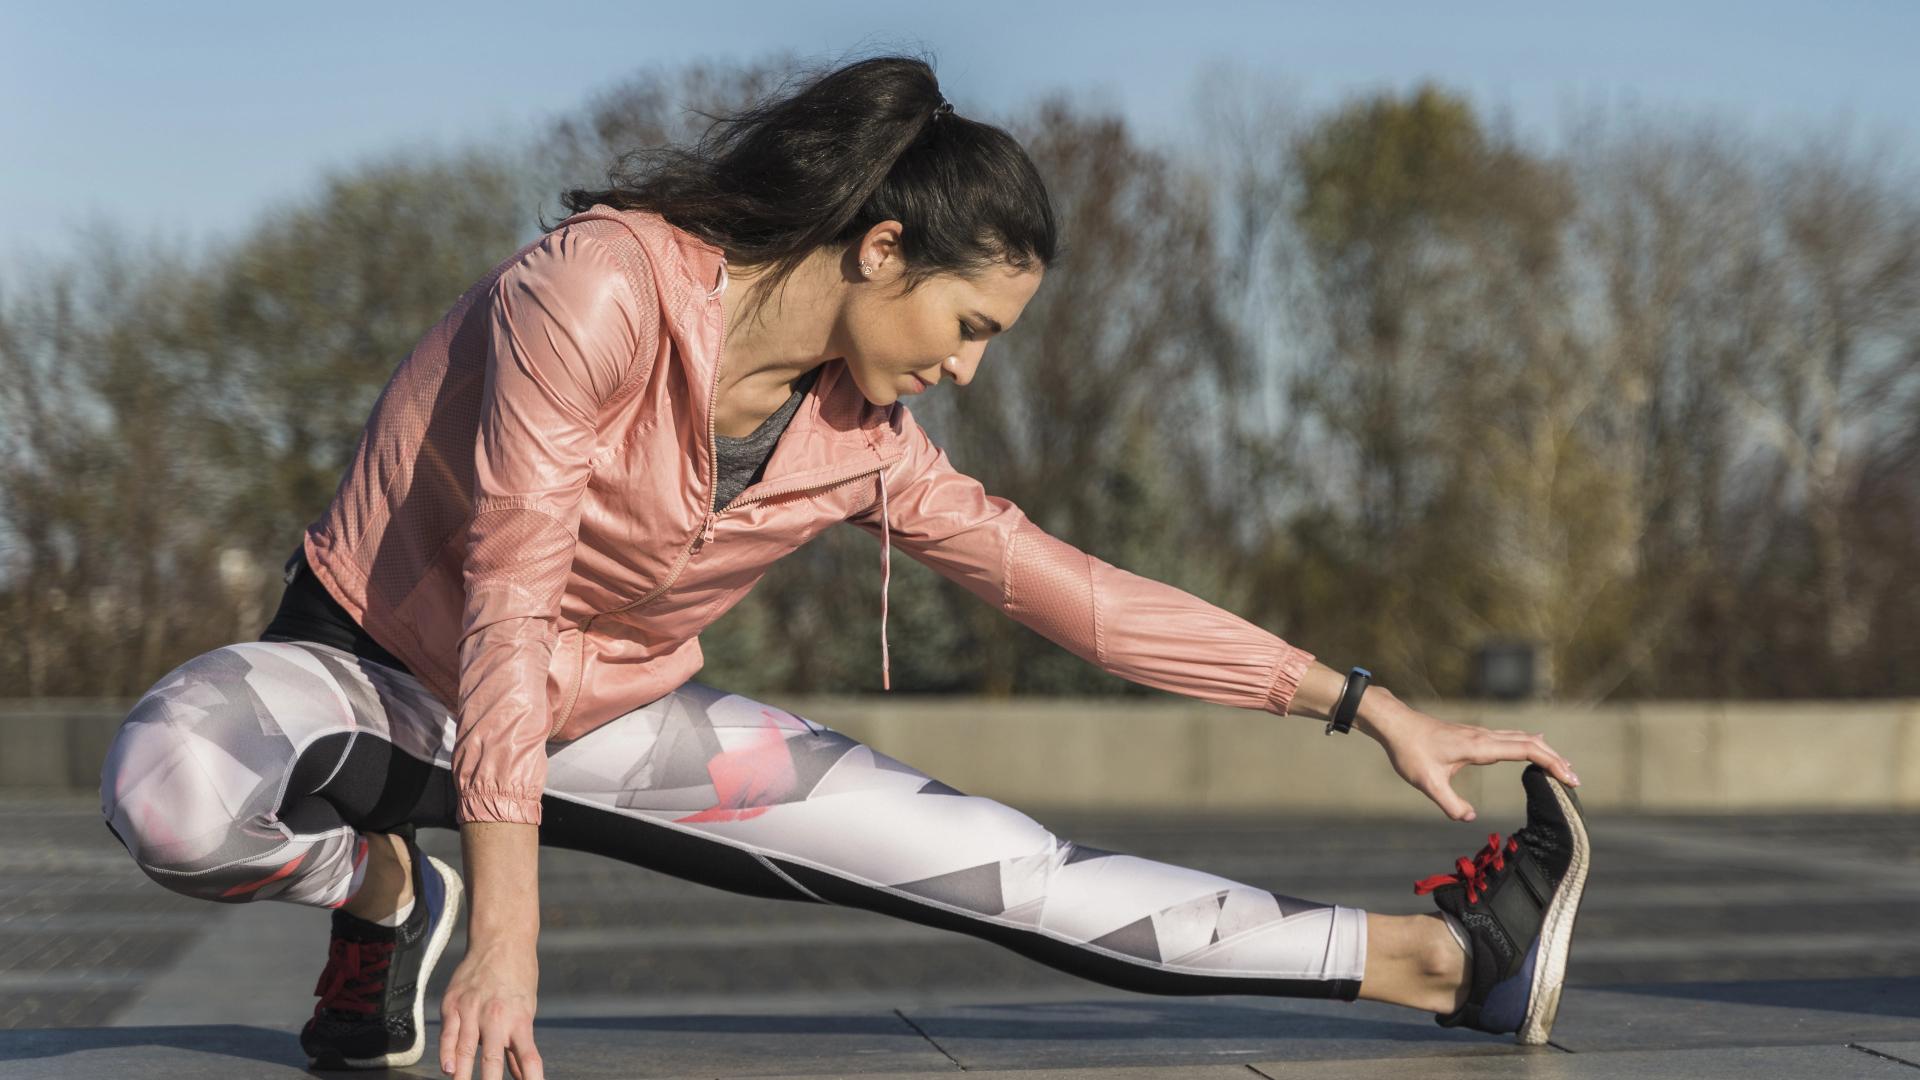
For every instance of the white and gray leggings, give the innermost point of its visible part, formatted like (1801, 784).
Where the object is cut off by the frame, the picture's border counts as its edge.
(254, 771)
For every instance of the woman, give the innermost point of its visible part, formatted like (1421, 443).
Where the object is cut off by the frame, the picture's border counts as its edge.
(594, 454)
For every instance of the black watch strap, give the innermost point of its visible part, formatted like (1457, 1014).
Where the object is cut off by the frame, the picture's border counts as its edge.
(1349, 707)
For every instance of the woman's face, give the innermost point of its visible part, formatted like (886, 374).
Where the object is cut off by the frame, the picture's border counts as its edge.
(899, 345)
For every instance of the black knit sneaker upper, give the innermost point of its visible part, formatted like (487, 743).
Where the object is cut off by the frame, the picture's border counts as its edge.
(368, 987)
(1501, 896)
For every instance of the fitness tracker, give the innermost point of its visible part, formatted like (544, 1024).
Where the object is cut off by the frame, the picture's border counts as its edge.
(1349, 706)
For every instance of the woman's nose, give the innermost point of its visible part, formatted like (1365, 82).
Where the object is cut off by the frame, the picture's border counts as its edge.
(961, 366)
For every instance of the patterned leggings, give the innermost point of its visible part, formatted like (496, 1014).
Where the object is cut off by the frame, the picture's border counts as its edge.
(253, 772)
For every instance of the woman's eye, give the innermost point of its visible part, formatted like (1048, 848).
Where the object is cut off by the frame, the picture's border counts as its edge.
(965, 332)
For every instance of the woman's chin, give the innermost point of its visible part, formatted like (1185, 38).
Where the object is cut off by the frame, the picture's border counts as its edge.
(891, 397)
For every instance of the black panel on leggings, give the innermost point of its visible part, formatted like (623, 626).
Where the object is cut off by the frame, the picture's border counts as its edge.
(580, 827)
(357, 779)
(308, 612)
(354, 778)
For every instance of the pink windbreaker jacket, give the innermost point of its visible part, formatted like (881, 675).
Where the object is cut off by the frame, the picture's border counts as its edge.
(527, 521)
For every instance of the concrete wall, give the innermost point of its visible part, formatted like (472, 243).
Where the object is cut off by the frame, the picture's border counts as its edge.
(1177, 755)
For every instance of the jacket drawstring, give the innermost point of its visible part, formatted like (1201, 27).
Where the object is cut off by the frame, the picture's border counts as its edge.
(886, 572)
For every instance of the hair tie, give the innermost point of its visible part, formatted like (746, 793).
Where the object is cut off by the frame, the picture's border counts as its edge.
(942, 109)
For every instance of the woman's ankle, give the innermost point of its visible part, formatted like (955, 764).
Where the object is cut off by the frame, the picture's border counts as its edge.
(388, 883)
(1413, 960)
(1449, 965)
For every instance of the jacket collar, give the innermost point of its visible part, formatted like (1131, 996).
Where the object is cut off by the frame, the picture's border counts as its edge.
(834, 420)
(836, 430)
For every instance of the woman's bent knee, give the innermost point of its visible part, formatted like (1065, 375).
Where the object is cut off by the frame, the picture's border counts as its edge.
(192, 776)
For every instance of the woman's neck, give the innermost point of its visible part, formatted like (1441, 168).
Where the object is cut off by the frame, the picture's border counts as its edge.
(793, 333)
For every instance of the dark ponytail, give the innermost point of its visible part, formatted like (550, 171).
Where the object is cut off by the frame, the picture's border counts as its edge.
(817, 168)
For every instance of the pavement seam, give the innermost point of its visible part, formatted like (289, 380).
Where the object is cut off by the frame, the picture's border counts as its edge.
(943, 1050)
(1889, 1057)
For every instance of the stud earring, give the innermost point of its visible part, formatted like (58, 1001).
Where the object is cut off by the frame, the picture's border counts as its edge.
(865, 269)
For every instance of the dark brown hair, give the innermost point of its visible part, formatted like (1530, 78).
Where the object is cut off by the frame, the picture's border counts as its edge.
(820, 166)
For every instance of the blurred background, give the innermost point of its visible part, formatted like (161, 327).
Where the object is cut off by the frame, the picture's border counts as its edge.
(1510, 354)
(1562, 367)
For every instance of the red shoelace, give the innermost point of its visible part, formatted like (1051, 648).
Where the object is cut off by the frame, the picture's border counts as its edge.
(352, 978)
(1472, 874)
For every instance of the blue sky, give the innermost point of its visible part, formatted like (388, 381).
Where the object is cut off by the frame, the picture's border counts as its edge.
(185, 120)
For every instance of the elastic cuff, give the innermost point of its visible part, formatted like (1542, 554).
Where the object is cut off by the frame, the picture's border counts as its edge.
(1287, 674)
(496, 806)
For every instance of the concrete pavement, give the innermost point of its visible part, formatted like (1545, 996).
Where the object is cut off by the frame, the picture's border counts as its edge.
(1711, 946)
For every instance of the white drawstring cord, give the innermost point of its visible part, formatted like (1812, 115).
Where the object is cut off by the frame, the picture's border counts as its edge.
(886, 572)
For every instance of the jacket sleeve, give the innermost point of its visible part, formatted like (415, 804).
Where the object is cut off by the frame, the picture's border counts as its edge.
(566, 331)
(1131, 626)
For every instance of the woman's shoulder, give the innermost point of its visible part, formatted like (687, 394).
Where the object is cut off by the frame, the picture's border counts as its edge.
(680, 263)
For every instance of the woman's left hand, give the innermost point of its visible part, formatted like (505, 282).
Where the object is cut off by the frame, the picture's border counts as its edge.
(1427, 751)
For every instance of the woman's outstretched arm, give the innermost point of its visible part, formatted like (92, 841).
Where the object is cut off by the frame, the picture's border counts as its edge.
(1132, 626)
(1150, 632)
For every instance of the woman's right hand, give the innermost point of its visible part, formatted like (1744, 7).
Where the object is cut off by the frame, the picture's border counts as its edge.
(1426, 751)
(487, 1013)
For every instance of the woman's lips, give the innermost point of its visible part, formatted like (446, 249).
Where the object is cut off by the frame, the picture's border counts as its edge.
(919, 384)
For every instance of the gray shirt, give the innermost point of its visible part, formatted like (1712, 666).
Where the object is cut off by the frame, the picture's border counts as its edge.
(743, 461)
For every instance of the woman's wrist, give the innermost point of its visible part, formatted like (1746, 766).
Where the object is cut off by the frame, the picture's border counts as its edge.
(1319, 694)
(1379, 711)
(503, 882)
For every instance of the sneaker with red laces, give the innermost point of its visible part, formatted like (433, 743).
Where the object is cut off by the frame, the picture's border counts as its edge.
(371, 1012)
(1517, 901)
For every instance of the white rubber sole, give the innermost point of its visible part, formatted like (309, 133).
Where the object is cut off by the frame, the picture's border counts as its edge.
(1556, 930)
(436, 944)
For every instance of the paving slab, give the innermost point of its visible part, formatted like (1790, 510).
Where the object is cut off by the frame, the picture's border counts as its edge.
(852, 1046)
(1787, 1028)
(720, 1045)
(1131, 1073)
(268, 989)
(640, 1047)
(1758, 1013)
(1196, 1030)
(1736, 1063)
(151, 1053)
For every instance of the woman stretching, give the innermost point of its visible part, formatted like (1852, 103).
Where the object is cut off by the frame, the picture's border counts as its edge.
(599, 449)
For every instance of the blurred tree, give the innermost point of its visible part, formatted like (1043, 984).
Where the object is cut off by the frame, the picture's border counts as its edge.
(100, 484)
(1467, 488)
(1762, 310)
(309, 315)
(1846, 366)
(161, 413)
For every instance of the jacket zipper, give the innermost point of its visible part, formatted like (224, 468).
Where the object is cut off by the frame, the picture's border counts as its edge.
(706, 533)
(699, 541)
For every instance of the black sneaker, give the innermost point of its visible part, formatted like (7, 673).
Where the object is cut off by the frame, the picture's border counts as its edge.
(373, 989)
(1518, 902)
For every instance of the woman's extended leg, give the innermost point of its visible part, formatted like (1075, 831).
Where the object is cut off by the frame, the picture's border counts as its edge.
(721, 789)
(261, 770)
